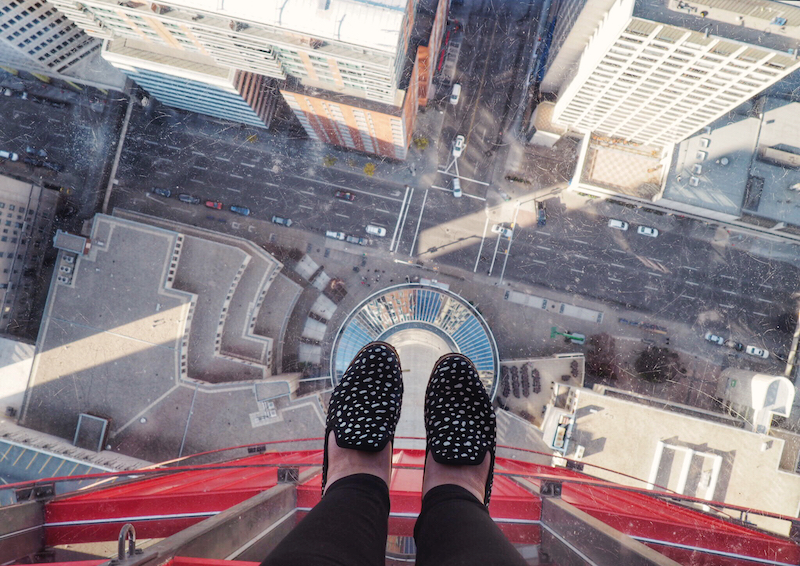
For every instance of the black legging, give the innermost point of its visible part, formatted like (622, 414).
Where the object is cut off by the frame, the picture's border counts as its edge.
(348, 527)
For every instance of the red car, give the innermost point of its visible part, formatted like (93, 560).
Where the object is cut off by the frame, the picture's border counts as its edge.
(215, 204)
(345, 195)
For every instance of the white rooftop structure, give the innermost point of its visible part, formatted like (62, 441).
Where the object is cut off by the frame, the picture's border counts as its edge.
(375, 24)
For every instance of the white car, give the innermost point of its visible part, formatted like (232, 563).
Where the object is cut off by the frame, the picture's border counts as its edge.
(335, 235)
(458, 145)
(618, 224)
(455, 94)
(503, 231)
(456, 187)
(714, 338)
(376, 230)
(758, 352)
(647, 231)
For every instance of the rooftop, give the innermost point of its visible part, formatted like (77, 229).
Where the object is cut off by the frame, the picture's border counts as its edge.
(725, 168)
(774, 25)
(689, 455)
(376, 24)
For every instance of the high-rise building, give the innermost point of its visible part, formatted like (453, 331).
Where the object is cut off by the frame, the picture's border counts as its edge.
(347, 68)
(36, 38)
(654, 72)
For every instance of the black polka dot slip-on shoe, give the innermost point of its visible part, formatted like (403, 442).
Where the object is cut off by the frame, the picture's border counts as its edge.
(460, 425)
(365, 405)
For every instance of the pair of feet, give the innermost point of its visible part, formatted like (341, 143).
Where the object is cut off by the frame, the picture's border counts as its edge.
(365, 409)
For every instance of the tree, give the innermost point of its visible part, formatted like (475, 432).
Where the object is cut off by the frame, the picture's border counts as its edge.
(421, 143)
(329, 161)
(601, 357)
(658, 365)
(369, 169)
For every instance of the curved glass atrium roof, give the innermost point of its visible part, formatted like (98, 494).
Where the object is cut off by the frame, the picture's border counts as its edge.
(412, 315)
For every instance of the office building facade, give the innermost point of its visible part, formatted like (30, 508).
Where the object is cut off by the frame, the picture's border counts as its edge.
(356, 50)
(654, 75)
(36, 38)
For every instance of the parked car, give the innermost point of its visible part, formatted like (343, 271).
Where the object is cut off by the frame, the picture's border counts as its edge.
(376, 230)
(33, 161)
(647, 231)
(9, 155)
(503, 231)
(166, 193)
(345, 195)
(714, 338)
(282, 221)
(335, 235)
(542, 214)
(357, 240)
(243, 210)
(758, 352)
(458, 145)
(738, 346)
(215, 204)
(618, 224)
(457, 187)
(190, 199)
(455, 94)
(33, 151)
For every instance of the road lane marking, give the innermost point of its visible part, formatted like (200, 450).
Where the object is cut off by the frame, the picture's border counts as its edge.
(197, 181)
(539, 261)
(690, 268)
(618, 265)
(576, 270)
(655, 274)
(251, 165)
(269, 198)
(651, 288)
(580, 256)
(235, 175)
(308, 207)
(341, 215)
(765, 285)
(149, 142)
(614, 279)
(727, 276)
(222, 158)
(483, 240)
(398, 228)
(200, 153)
(382, 210)
(618, 250)
(764, 301)
(352, 190)
(544, 248)
(544, 233)
(688, 297)
(579, 241)
(198, 167)
(759, 313)
(693, 283)
(727, 306)
(230, 189)
(728, 292)
(419, 221)
(175, 147)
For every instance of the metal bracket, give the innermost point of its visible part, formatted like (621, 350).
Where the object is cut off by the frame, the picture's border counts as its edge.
(288, 474)
(549, 488)
(127, 532)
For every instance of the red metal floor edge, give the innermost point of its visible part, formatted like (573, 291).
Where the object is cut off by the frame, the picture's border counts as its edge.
(162, 505)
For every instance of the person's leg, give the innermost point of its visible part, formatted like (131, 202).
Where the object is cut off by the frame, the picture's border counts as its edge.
(348, 527)
(454, 526)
